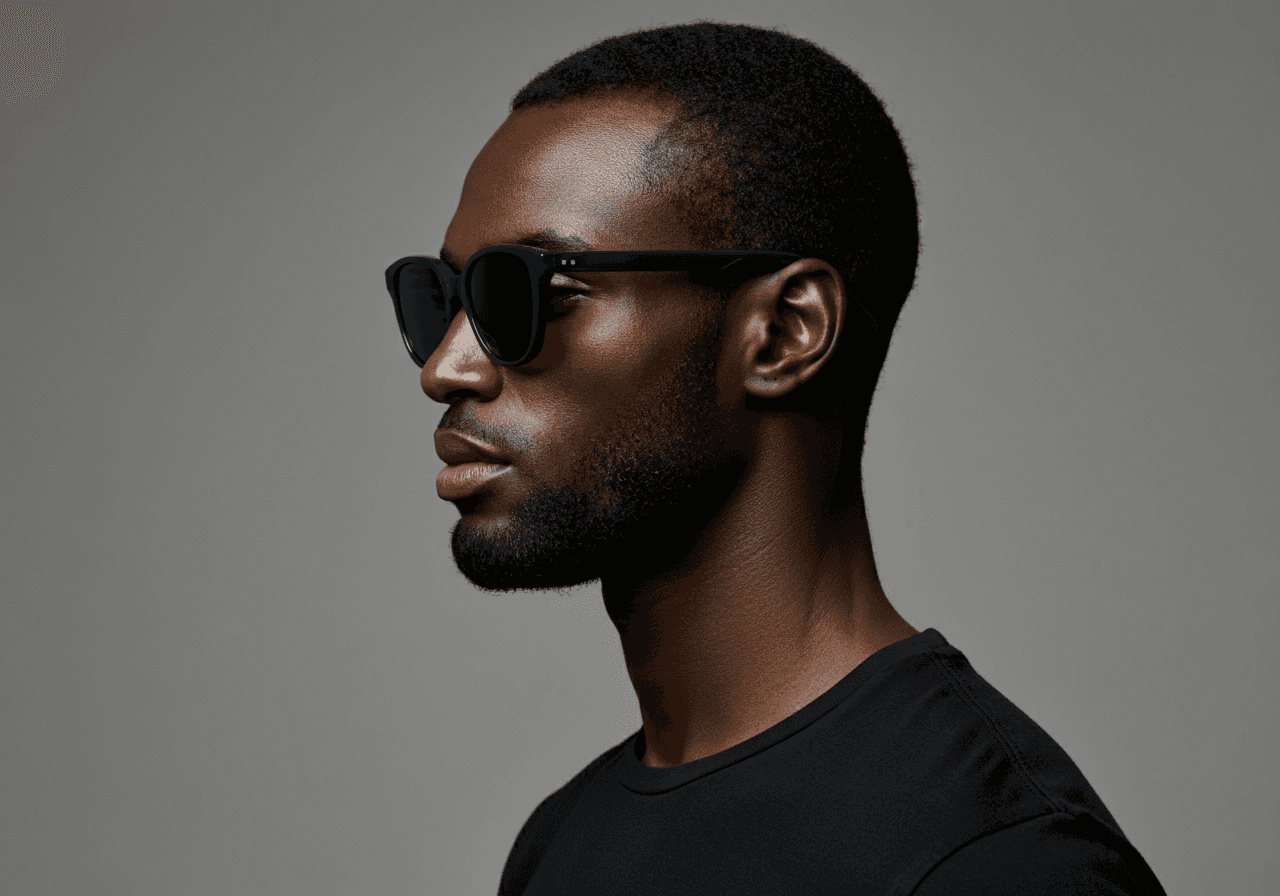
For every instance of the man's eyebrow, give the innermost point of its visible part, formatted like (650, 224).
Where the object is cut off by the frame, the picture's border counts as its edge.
(547, 240)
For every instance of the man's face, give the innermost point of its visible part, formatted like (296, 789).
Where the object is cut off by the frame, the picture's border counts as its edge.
(617, 433)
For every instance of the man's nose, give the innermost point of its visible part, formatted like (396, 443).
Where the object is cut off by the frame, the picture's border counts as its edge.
(459, 366)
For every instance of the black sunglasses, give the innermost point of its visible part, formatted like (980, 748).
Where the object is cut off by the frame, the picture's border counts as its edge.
(505, 291)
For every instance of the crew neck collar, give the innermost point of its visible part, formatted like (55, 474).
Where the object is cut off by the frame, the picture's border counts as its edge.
(636, 776)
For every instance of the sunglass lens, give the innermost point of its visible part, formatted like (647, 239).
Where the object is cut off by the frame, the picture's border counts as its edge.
(426, 320)
(503, 302)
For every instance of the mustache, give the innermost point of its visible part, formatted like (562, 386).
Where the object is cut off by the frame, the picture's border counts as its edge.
(462, 420)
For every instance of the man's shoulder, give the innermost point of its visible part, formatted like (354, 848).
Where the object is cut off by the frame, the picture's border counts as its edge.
(1050, 778)
(1056, 853)
(550, 815)
(1007, 806)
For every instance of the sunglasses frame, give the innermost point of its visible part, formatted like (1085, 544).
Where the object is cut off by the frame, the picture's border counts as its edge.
(542, 266)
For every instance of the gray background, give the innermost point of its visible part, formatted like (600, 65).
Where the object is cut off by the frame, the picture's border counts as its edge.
(236, 656)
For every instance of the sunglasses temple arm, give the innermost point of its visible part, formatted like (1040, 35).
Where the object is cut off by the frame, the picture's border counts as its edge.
(748, 263)
(737, 261)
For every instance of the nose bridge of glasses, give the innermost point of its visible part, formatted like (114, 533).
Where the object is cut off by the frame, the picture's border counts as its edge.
(452, 286)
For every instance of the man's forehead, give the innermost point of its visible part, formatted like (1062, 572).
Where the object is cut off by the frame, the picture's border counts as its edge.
(570, 170)
(586, 145)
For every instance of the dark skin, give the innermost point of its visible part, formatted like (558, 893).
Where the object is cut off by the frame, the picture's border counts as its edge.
(652, 444)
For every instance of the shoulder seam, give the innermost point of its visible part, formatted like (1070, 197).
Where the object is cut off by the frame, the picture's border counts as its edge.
(1120, 847)
(1011, 749)
(985, 834)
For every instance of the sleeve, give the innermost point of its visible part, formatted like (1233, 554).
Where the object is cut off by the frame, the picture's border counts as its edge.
(534, 837)
(541, 827)
(1052, 855)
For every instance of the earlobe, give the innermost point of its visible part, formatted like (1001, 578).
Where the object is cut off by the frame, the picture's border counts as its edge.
(763, 386)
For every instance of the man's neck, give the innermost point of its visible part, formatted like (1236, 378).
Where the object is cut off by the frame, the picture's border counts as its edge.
(766, 613)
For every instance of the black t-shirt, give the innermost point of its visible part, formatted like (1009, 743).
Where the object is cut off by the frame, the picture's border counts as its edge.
(912, 775)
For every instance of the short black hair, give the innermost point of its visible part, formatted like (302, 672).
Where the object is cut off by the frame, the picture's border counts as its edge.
(814, 164)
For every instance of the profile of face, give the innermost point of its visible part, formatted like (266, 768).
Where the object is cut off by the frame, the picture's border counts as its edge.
(620, 435)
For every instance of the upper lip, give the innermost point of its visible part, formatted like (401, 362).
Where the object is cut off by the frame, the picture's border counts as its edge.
(455, 448)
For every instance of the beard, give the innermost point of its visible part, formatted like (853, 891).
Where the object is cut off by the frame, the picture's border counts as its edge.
(648, 485)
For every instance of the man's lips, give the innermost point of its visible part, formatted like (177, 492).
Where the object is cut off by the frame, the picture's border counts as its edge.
(471, 464)
(455, 448)
(459, 481)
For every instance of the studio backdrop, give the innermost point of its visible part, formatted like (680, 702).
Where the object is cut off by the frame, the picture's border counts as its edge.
(237, 657)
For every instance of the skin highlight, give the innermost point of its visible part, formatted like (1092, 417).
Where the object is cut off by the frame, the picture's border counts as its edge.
(655, 443)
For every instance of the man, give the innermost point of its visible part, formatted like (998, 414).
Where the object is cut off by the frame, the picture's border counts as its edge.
(684, 420)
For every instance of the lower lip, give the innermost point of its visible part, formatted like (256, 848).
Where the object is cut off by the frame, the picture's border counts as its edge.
(460, 480)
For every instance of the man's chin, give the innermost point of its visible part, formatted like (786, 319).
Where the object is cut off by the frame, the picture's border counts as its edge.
(499, 564)
(486, 581)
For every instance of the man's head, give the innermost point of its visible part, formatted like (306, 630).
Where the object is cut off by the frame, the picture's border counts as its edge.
(635, 422)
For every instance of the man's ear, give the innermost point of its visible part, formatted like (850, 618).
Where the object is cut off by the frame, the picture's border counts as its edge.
(789, 324)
